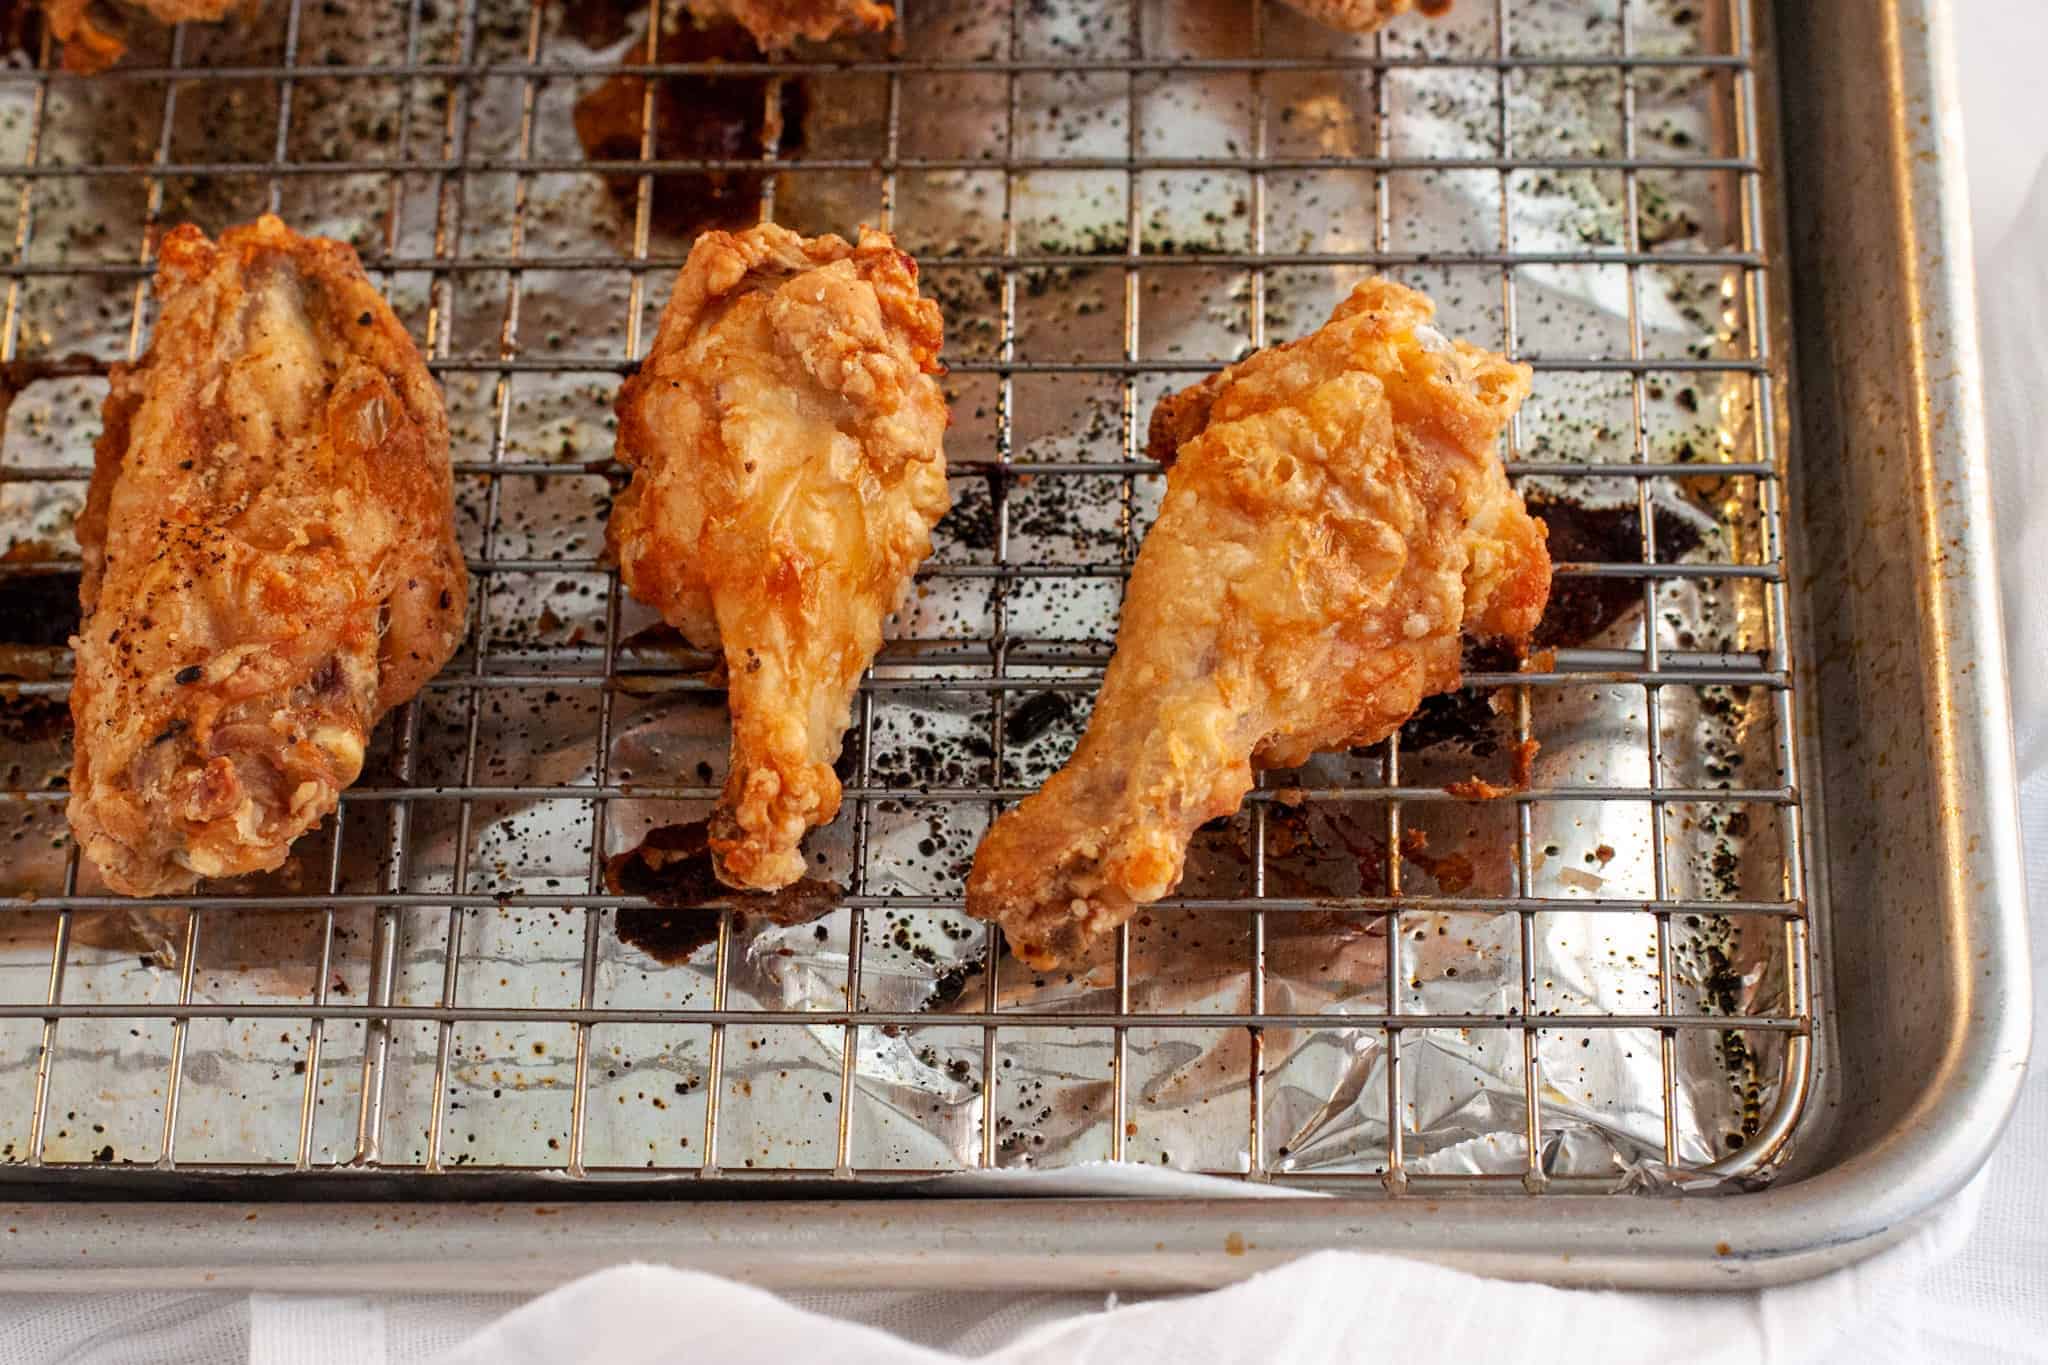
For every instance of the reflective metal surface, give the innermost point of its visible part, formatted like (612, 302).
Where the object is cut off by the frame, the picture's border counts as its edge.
(1751, 933)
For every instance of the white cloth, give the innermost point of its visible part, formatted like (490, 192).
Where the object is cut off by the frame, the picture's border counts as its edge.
(1336, 1306)
(1973, 1286)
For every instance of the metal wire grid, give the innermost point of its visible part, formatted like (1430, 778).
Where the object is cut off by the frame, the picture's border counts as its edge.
(1652, 669)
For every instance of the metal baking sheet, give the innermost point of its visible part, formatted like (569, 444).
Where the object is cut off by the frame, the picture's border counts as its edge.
(1605, 989)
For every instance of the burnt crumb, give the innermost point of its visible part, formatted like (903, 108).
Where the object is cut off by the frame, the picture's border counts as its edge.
(672, 868)
(172, 731)
(696, 117)
(952, 983)
(189, 674)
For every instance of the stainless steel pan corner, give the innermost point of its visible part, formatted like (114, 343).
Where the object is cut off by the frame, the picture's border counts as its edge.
(1920, 997)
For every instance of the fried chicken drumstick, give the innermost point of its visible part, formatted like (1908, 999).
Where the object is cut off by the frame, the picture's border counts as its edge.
(786, 440)
(270, 559)
(1335, 517)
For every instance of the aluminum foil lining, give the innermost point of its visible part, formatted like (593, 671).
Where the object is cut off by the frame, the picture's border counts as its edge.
(492, 1094)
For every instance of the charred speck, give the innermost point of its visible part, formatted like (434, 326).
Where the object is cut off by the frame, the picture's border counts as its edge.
(172, 731)
(189, 674)
(952, 984)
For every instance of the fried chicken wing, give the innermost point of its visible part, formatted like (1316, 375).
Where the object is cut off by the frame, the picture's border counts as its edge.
(93, 31)
(1335, 516)
(779, 23)
(786, 440)
(270, 559)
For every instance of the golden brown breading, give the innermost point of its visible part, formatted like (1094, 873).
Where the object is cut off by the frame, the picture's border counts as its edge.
(1335, 516)
(93, 40)
(1363, 16)
(270, 559)
(785, 435)
(779, 23)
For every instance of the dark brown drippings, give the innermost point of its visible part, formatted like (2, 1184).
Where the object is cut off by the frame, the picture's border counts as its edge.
(695, 117)
(661, 635)
(37, 608)
(599, 23)
(1581, 608)
(672, 868)
(38, 613)
(1464, 716)
(1036, 714)
(28, 720)
(20, 26)
(668, 936)
(1453, 871)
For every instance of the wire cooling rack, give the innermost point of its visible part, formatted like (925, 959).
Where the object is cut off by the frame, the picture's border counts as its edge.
(1108, 202)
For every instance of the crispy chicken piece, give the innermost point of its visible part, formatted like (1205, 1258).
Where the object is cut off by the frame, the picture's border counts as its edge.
(786, 440)
(270, 559)
(778, 24)
(1335, 516)
(92, 31)
(1363, 16)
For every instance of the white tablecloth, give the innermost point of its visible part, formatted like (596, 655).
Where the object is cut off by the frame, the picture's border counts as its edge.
(1973, 1287)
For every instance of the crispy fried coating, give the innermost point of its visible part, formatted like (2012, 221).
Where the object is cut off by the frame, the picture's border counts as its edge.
(1335, 518)
(786, 440)
(270, 559)
(1363, 16)
(778, 24)
(91, 31)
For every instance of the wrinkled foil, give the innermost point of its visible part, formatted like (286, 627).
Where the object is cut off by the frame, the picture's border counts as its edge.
(934, 1096)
